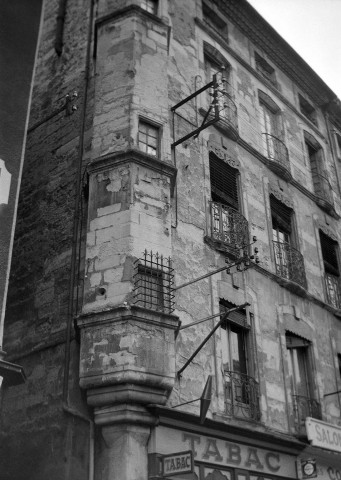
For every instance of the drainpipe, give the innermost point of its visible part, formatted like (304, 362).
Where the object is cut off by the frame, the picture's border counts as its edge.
(76, 237)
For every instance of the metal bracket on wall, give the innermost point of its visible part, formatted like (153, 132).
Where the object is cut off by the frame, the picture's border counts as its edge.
(222, 319)
(213, 106)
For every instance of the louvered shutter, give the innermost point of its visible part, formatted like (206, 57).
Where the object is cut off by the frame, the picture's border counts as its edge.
(224, 182)
(237, 317)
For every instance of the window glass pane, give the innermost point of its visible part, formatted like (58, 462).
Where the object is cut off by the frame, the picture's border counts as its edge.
(150, 6)
(151, 150)
(298, 366)
(148, 138)
(143, 137)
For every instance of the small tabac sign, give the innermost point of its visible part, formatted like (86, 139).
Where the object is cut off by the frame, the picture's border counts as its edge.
(176, 463)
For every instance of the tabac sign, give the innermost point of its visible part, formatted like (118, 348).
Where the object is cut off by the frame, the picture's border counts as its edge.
(323, 435)
(219, 452)
(177, 463)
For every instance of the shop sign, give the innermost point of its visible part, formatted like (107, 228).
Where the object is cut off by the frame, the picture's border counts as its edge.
(177, 463)
(222, 452)
(323, 435)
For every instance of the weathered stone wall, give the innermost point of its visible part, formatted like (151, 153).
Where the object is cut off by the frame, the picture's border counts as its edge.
(38, 438)
(142, 67)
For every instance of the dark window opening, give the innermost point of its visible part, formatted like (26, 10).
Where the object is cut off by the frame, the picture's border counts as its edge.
(289, 261)
(307, 109)
(329, 254)
(300, 375)
(224, 182)
(150, 282)
(316, 166)
(213, 20)
(265, 69)
(329, 248)
(339, 362)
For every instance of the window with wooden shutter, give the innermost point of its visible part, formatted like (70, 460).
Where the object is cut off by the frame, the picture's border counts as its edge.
(224, 182)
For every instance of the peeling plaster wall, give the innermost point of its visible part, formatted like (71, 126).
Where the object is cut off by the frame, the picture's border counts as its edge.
(129, 213)
(143, 67)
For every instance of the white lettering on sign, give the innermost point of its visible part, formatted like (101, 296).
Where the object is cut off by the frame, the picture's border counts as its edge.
(177, 463)
(5, 183)
(324, 435)
(221, 452)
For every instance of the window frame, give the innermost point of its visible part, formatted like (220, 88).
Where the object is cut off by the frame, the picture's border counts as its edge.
(307, 109)
(144, 274)
(150, 125)
(302, 347)
(214, 21)
(242, 333)
(266, 70)
(150, 6)
(228, 201)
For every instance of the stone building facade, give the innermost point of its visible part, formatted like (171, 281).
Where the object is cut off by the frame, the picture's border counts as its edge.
(168, 140)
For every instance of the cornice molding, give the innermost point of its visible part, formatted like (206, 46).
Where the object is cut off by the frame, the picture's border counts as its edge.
(327, 230)
(221, 153)
(260, 32)
(276, 192)
(259, 77)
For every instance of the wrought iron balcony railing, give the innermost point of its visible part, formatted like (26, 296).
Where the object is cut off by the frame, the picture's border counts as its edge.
(289, 263)
(305, 407)
(225, 107)
(323, 191)
(229, 227)
(241, 396)
(332, 283)
(228, 111)
(277, 152)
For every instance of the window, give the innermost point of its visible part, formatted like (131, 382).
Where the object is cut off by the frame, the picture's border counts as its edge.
(227, 225)
(321, 185)
(150, 283)
(281, 236)
(315, 158)
(213, 20)
(224, 182)
(221, 73)
(154, 282)
(329, 248)
(298, 354)
(149, 138)
(241, 389)
(338, 145)
(265, 69)
(289, 261)
(270, 125)
(150, 6)
(307, 109)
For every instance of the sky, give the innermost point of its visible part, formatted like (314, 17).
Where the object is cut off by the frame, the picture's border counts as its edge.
(313, 29)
